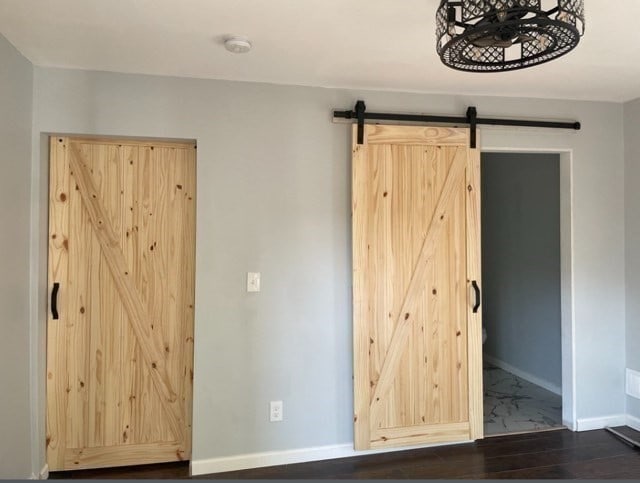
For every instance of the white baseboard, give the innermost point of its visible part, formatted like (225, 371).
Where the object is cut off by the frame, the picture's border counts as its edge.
(633, 422)
(302, 455)
(524, 375)
(43, 475)
(570, 425)
(588, 424)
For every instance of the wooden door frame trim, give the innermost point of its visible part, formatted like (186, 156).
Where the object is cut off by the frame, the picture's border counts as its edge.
(567, 272)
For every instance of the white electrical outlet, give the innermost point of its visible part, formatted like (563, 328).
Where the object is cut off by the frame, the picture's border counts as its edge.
(633, 383)
(275, 413)
(253, 282)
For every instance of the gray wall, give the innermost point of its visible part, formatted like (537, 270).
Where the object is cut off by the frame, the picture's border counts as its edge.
(521, 262)
(16, 84)
(632, 224)
(274, 197)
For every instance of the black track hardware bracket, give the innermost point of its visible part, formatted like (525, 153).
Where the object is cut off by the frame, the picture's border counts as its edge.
(360, 110)
(360, 114)
(472, 120)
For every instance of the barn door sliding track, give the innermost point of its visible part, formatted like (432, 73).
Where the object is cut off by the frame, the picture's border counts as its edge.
(360, 114)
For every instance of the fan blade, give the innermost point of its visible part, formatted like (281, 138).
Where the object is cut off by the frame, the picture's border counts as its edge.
(524, 38)
(505, 44)
(491, 41)
(484, 41)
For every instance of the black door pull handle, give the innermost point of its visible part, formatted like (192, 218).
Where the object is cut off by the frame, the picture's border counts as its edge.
(476, 289)
(54, 301)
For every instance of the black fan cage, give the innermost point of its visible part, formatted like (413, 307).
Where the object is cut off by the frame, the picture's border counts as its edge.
(537, 31)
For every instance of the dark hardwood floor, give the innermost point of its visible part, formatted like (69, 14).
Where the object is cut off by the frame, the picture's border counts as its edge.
(558, 454)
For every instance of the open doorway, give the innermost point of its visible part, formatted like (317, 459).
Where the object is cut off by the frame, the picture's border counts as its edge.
(521, 273)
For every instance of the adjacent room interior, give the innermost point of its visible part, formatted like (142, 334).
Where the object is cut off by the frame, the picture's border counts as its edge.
(521, 297)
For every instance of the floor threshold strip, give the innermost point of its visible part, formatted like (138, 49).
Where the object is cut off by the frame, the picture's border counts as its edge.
(631, 442)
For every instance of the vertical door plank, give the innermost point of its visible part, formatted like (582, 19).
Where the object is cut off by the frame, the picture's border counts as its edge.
(182, 257)
(57, 376)
(439, 164)
(458, 333)
(144, 431)
(381, 289)
(154, 224)
(96, 265)
(77, 321)
(474, 272)
(403, 245)
(128, 396)
(110, 192)
(189, 284)
(360, 252)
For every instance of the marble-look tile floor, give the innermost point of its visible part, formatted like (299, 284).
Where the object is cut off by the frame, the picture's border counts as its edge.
(514, 405)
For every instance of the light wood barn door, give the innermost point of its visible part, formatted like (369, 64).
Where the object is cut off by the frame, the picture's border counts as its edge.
(120, 348)
(416, 253)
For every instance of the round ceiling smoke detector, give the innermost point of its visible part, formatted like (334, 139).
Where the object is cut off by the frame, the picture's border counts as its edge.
(237, 45)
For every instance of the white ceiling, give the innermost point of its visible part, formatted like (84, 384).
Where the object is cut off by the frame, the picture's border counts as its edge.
(372, 44)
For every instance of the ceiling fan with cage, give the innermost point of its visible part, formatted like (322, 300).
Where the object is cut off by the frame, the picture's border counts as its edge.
(484, 35)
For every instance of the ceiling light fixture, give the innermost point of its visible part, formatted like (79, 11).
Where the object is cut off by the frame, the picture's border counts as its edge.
(237, 45)
(501, 35)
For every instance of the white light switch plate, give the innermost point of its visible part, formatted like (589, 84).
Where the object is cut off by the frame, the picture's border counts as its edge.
(253, 282)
